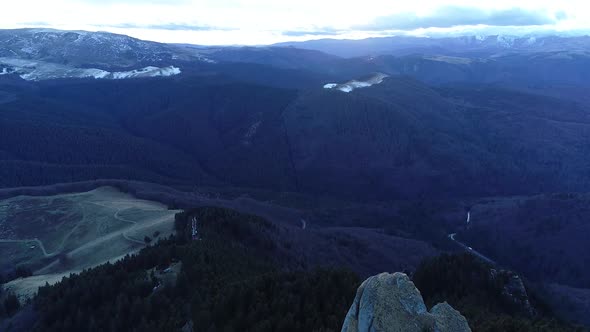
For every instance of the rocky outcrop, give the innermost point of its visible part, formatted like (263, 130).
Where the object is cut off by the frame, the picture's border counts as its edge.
(513, 290)
(448, 319)
(390, 302)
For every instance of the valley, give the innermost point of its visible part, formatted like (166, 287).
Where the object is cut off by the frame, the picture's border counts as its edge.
(308, 167)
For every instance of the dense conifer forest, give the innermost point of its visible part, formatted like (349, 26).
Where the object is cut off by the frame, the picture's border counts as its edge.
(223, 285)
(468, 285)
(225, 279)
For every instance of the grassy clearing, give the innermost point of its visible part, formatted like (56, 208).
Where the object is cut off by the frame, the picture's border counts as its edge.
(15, 253)
(62, 234)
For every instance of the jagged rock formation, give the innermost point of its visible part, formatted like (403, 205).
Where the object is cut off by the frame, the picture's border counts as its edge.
(513, 290)
(390, 302)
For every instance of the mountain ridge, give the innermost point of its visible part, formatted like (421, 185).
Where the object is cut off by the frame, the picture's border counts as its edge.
(469, 44)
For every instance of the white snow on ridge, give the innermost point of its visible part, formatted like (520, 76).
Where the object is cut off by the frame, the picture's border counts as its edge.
(354, 84)
(40, 70)
(251, 132)
(505, 41)
(450, 59)
(146, 72)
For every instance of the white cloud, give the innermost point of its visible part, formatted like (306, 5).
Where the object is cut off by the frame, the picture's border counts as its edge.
(261, 21)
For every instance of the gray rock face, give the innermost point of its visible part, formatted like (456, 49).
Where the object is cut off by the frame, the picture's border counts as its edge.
(448, 319)
(390, 302)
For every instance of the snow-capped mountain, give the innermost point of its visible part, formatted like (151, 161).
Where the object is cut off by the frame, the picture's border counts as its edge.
(80, 48)
(39, 54)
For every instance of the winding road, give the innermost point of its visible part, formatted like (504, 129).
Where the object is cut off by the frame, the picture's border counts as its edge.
(39, 243)
(134, 227)
(471, 250)
(123, 232)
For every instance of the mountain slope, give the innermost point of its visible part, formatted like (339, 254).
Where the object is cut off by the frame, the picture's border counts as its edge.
(541, 235)
(46, 140)
(475, 45)
(280, 57)
(532, 71)
(397, 138)
(83, 49)
(252, 124)
(402, 137)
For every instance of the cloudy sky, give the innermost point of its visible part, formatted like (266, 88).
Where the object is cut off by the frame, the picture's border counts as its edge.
(254, 22)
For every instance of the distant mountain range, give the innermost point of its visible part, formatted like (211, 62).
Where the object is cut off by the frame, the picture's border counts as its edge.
(447, 124)
(489, 59)
(473, 45)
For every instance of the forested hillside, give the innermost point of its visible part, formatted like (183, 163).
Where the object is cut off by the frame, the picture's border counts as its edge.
(400, 138)
(543, 236)
(481, 293)
(225, 284)
(234, 278)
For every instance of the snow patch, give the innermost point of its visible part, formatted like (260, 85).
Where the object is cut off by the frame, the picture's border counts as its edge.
(251, 132)
(355, 84)
(146, 72)
(505, 41)
(40, 70)
(450, 59)
(531, 41)
(29, 50)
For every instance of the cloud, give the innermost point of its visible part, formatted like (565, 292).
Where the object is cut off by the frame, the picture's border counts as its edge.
(451, 16)
(139, 2)
(35, 24)
(319, 32)
(165, 26)
(186, 27)
(269, 21)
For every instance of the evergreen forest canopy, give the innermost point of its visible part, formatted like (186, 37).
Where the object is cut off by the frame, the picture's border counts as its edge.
(225, 284)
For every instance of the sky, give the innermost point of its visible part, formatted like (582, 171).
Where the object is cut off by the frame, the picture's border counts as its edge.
(257, 22)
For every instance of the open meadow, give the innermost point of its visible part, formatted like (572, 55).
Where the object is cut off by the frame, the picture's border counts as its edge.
(53, 236)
